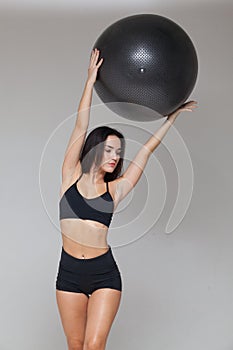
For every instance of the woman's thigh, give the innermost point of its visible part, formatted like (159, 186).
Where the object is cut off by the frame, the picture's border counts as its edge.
(73, 312)
(102, 309)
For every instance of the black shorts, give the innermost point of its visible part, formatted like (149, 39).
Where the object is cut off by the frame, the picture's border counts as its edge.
(87, 275)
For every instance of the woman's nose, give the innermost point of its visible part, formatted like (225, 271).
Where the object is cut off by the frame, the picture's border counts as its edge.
(114, 156)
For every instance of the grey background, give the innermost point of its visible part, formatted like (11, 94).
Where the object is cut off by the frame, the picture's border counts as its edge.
(177, 288)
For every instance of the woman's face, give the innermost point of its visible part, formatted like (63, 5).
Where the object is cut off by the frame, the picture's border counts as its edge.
(111, 153)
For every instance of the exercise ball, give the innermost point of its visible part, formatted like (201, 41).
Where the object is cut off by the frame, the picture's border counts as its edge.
(149, 69)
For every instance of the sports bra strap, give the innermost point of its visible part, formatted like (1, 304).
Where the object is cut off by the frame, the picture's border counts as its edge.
(79, 178)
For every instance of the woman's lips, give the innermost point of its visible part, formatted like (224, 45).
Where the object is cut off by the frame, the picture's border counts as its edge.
(111, 164)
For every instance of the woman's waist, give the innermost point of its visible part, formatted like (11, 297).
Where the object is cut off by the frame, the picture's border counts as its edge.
(84, 248)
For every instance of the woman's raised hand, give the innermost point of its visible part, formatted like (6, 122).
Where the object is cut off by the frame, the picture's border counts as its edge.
(93, 66)
(188, 106)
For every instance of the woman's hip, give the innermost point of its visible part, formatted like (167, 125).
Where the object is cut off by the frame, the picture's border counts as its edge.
(101, 264)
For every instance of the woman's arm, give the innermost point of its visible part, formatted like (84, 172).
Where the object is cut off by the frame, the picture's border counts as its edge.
(77, 139)
(85, 102)
(129, 179)
(155, 139)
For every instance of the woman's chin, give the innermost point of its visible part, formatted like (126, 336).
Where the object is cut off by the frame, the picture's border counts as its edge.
(109, 169)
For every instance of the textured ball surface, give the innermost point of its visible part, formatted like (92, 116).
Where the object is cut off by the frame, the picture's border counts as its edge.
(149, 69)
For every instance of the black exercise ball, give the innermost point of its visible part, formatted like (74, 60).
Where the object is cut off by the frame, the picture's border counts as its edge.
(149, 69)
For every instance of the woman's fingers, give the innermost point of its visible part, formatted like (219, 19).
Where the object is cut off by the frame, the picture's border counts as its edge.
(193, 104)
(94, 59)
(94, 56)
(190, 103)
(189, 106)
(100, 62)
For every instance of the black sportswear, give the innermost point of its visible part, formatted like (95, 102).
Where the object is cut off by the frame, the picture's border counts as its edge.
(73, 205)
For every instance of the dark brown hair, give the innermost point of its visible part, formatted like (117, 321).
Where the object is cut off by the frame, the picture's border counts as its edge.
(93, 149)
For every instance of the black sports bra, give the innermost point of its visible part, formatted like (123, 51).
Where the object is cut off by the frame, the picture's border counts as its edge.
(73, 205)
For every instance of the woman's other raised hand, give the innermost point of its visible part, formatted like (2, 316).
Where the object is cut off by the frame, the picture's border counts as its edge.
(94, 66)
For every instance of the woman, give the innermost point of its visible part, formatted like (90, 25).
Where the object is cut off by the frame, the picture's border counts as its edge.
(89, 285)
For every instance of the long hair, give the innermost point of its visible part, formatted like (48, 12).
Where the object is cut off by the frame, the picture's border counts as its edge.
(93, 149)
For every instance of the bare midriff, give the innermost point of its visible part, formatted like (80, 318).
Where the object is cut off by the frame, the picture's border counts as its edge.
(84, 238)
